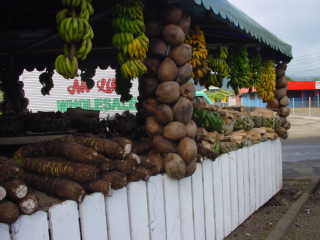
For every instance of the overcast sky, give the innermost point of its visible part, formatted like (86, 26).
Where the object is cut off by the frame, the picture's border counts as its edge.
(296, 22)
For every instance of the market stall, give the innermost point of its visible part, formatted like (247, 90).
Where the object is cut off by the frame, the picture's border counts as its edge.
(178, 169)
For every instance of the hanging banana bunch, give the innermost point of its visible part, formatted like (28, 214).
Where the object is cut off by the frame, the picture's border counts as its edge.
(197, 40)
(266, 86)
(75, 30)
(132, 44)
(219, 67)
(239, 63)
(255, 70)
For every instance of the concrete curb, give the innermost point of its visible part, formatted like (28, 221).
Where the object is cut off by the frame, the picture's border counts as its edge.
(284, 223)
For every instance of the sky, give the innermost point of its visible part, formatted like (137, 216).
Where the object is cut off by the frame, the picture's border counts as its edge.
(296, 22)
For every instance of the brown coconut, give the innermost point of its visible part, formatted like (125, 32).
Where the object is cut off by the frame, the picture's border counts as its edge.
(173, 34)
(274, 104)
(150, 105)
(152, 64)
(185, 24)
(164, 114)
(286, 125)
(175, 131)
(281, 70)
(281, 92)
(163, 145)
(284, 101)
(158, 48)
(168, 92)
(9, 212)
(181, 54)
(188, 150)
(284, 112)
(153, 127)
(148, 86)
(191, 168)
(182, 110)
(184, 73)
(175, 166)
(191, 128)
(282, 82)
(173, 15)
(153, 29)
(168, 70)
(155, 162)
(188, 90)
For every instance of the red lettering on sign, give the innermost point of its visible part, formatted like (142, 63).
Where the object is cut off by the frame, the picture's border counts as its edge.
(107, 85)
(76, 88)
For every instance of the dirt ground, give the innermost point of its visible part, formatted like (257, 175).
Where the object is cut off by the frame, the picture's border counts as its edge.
(260, 224)
(307, 223)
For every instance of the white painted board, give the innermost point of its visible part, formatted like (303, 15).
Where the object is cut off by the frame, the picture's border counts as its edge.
(218, 198)
(245, 157)
(208, 199)
(4, 232)
(30, 227)
(240, 182)
(93, 220)
(234, 189)
(157, 221)
(138, 205)
(172, 208)
(226, 194)
(198, 204)
(64, 221)
(118, 215)
(186, 206)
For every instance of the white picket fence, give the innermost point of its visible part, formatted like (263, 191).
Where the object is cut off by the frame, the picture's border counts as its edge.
(207, 206)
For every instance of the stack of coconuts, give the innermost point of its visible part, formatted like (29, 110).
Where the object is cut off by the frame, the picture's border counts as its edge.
(281, 102)
(166, 93)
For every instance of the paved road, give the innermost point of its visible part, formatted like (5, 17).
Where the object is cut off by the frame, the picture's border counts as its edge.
(301, 152)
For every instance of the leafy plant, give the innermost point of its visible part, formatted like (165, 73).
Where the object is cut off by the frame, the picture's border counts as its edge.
(211, 121)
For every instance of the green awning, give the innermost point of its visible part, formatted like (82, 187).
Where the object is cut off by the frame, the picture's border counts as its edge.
(228, 12)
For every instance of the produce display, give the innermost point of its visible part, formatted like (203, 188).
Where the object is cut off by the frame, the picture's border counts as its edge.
(75, 30)
(197, 41)
(267, 83)
(131, 42)
(239, 63)
(220, 69)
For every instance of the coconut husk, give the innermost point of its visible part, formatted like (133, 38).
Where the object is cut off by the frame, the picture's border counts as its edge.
(107, 165)
(141, 147)
(282, 82)
(281, 70)
(191, 168)
(173, 15)
(9, 171)
(174, 131)
(181, 54)
(185, 24)
(158, 48)
(281, 92)
(188, 150)
(163, 145)
(173, 34)
(3, 193)
(168, 92)
(153, 29)
(201, 134)
(154, 161)
(188, 90)
(274, 104)
(168, 70)
(9, 212)
(286, 125)
(125, 166)
(191, 128)
(152, 64)
(164, 114)
(29, 204)
(141, 173)
(284, 101)
(153, 127)
(205, 149)
(183, 110)
(125, 143)
(184, 73)
(284, 112)
(150, 105)
(175, 167)
(148, 86)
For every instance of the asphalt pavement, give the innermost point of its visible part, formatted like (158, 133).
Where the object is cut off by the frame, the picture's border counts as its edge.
(301, 151)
